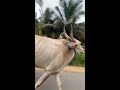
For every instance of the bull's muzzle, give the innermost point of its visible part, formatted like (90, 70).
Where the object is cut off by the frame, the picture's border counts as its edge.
(82, 50)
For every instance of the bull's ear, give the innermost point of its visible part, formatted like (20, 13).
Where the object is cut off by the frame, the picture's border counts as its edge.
(72, 45)
(61, 36)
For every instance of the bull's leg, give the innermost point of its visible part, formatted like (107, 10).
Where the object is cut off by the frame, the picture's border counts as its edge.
(43, 78)
(58, 81)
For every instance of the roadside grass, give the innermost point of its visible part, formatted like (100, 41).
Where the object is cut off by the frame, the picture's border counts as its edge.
(78, 60)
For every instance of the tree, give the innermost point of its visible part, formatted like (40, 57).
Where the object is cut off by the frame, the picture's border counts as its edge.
(38, 29)
(70, 11)
(47, 16)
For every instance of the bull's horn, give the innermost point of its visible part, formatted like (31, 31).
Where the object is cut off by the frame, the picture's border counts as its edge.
(66, 36)
(71, 33)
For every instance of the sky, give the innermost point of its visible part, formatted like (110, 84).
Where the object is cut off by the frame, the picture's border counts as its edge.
(52, 4)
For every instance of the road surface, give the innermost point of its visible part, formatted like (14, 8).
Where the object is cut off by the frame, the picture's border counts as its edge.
(70, 81)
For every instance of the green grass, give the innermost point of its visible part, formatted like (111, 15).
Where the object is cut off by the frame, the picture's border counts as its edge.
(79, 60)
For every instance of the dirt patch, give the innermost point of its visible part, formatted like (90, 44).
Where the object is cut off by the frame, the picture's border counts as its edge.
(73, 69)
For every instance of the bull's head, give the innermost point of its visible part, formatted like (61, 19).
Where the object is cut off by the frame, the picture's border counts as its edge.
(72, 42)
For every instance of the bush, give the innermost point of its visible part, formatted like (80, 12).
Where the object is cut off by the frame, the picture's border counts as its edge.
(79, 60)
(38, 29)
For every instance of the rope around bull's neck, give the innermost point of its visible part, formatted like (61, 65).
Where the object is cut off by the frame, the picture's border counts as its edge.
(70, 47)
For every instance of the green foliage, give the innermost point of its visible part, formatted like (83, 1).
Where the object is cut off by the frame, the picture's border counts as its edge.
(47, 15)
(71, 10)
(79, 60)
(53, 35)
(38, 29)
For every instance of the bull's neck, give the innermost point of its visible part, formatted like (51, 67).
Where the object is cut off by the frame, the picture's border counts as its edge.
(67, 43)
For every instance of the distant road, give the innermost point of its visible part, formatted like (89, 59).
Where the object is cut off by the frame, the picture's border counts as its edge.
(70, 81)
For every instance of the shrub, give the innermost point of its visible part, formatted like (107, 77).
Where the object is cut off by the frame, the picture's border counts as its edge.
(79, 60)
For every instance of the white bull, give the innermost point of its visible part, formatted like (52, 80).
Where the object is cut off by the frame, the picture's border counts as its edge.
(53, 55)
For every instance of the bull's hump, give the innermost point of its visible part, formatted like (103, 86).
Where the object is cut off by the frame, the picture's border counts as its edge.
(49, 42)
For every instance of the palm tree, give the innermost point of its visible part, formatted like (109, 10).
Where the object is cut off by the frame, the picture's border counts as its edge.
(46, 21)
(69, 14)
(70, 11)
(47, 16)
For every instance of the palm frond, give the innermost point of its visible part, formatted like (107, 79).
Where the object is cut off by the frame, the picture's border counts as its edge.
(71, 10)
(59, 12)
(64, 5)
(47, 15)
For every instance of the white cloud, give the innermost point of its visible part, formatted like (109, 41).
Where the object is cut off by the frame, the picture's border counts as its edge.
(37, 8)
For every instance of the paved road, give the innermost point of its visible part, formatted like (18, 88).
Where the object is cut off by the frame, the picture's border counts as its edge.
(70, 81)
